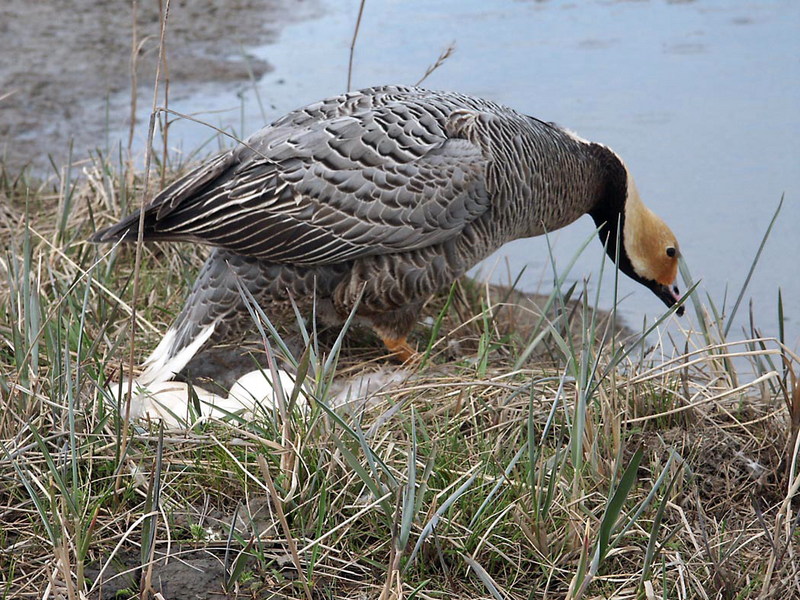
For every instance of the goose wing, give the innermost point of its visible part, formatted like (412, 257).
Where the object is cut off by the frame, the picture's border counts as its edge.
(327, 189)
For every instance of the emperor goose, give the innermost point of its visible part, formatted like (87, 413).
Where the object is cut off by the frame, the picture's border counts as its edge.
(387, 194)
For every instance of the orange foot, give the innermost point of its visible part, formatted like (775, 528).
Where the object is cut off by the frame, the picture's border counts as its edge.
(400, 349)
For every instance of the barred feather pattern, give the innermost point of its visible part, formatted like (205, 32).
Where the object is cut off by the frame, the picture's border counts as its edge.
(390, 191)
(217, 298)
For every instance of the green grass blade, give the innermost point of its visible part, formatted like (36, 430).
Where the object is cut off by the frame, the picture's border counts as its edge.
(752, 269)
(615, 505)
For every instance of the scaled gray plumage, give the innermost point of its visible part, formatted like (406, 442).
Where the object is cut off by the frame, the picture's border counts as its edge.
(395, 191)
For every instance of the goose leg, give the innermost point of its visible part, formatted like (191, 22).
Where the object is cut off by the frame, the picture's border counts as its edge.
(400, 349)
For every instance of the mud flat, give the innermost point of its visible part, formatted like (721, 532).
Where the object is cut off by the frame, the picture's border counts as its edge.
(67, 68)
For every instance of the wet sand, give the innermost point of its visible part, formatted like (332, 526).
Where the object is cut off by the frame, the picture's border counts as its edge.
(65, 72)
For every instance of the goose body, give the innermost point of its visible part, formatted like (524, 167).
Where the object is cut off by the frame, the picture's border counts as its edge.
(388, 193)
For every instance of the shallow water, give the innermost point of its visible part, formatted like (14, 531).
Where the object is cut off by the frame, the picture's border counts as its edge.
(700, 98)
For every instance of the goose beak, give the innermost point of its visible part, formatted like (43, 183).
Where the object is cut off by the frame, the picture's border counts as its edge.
(669, 294)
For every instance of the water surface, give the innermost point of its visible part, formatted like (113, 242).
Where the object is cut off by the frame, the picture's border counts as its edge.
(700, 99)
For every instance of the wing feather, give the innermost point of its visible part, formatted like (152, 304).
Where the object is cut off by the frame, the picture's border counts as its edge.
(324, 185)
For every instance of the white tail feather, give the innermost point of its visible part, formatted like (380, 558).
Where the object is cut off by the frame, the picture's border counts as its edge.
(161, 365)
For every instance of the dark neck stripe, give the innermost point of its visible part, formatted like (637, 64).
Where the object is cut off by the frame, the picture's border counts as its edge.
(609, 209)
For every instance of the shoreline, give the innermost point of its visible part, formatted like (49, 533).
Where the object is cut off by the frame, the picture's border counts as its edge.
(71, 80)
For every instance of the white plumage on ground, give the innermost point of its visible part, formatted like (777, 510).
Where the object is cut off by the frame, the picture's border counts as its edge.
(253, 395)
(178, 404)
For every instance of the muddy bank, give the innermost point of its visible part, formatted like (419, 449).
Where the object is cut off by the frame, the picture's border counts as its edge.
(67, 68)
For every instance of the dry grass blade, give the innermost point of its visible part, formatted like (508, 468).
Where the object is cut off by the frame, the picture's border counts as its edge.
(445, 54)
(793, 407)
(353, 44)
(140, 233)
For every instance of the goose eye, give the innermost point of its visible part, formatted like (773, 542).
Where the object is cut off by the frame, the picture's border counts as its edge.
(670, 251)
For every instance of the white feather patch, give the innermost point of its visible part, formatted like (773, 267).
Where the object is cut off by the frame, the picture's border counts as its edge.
(576, 137)
(169, 401)
(161, 365)
(252, 396)
(256, 389)
(172, 402)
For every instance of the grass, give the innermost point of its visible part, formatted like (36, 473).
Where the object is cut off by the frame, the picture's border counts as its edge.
(538, 451)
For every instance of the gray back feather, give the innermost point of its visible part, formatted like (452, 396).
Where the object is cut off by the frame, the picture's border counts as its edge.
(380, 171)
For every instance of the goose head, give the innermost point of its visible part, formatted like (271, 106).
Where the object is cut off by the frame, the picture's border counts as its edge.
(649, 252)
(651, 249)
